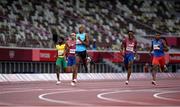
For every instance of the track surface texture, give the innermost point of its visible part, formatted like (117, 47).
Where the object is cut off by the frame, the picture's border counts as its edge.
(95, 93)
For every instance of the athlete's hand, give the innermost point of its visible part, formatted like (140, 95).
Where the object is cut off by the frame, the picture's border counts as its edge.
(136, 56)
(122, 53)
(79, 40)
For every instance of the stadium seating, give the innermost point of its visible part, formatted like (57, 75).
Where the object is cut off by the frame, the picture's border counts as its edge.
(31, 23)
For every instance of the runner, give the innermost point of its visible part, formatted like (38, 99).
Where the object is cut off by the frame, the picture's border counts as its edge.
(159, 47)
(71, 59)
(129, 51)
(82, 41)
(60, 61)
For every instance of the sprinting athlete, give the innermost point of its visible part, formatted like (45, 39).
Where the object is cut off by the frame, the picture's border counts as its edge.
(159, 47)
(60, 61)
(82, 41)
(71, 59)
(129, 51)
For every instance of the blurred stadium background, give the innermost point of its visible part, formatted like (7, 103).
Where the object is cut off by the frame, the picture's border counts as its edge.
(28, 28)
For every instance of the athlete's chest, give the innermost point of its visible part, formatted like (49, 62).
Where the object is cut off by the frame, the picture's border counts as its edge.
(72, 44)
(130, 43)
(81, 36)
(157, 45)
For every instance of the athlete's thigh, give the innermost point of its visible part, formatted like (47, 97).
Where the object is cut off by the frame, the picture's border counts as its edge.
(126, 59)
(58, 62)
(78, 58)
(162, 61)
(73, 60)
(155, 61)
(64, 63)
(130, 59)
(69, 62)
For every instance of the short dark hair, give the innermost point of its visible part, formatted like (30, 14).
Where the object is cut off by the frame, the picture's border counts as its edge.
(158, 33)
(130, 31)
(61, 38)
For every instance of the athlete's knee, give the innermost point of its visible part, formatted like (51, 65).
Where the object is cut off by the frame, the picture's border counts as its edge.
(57, 68)
(130, 65)
(155, 67)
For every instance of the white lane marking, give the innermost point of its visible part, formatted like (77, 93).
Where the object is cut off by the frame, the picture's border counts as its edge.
(42, 97)
(21, 91)
(157, 95)
(101, 96)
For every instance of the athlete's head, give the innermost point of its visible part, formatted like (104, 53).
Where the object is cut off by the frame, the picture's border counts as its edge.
(73, 36)
(157, 36)
(60, 40)
(130, 34)
(81, 29)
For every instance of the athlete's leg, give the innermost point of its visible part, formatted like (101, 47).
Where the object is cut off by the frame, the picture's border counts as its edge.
(58, 63)
(130, 64)
(84, 60)
(58, 72)
(155, 68)
(74, 76)
(58, 67)
(130, 59)
(162, 63)
(63, 65)
(154, 71)
(77, 62)
(126, 62)
(74, 73)
(73, 67)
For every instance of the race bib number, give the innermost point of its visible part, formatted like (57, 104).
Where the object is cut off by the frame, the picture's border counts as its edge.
(156, 47)
(72, 51)
(130, 49)
(60, 53)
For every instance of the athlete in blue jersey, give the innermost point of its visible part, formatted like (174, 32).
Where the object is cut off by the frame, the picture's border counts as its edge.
(82, 41)
(158, 46)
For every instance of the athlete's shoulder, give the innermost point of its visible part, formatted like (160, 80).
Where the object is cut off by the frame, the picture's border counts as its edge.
(125, 39)
(153, 40)
(57, 46)
(162, 40)
(135, 40)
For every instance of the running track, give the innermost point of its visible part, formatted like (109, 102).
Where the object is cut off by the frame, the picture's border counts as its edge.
(90, 93)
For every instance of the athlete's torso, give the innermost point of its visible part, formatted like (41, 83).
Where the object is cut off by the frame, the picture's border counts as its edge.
(61, 50)
(157, 47)
(79, 46)
(72, 47)
(130, 45)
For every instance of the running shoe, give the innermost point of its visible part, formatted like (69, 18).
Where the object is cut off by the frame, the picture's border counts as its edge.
(58, 82)
(127, 82)
(73, 83)
(154, 82)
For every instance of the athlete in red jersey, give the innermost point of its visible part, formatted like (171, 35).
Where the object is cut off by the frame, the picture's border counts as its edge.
(71, 44)
(129, 51)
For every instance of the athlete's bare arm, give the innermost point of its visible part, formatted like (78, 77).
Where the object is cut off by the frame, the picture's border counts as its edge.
(66, 49)
(135, 47)
(151, 48)
(123, 46)
(86, 41)
(165, 46)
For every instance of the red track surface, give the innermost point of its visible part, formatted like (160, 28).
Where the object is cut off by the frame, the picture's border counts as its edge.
(91, 93)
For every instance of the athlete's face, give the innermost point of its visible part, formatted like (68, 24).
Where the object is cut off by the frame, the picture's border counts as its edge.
(60, 41)
(131, 35)
(73, 37)
(157, 36)
(81, 29)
